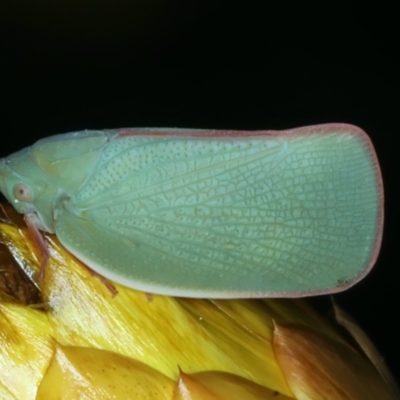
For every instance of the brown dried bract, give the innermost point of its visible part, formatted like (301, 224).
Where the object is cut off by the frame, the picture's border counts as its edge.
(15, 285)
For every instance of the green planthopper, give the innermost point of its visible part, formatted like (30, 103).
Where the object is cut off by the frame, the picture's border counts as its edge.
(208, 213)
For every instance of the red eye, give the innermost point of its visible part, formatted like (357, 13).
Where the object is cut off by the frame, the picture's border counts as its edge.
(23, 192)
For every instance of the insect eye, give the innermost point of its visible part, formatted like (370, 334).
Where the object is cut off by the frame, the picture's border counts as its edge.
(23, 192)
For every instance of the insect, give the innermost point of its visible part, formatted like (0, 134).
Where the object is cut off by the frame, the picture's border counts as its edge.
(208, 213)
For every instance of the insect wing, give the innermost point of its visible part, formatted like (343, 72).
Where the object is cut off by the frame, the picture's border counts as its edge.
(276, 214)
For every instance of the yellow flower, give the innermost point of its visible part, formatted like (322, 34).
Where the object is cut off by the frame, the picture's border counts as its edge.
(78, 341)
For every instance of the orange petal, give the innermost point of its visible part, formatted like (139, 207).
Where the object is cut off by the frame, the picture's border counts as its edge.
(319, 368)
(221, 386)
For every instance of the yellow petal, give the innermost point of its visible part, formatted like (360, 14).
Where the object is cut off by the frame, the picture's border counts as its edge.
(5, 394)
(26, 348)
(87, 373)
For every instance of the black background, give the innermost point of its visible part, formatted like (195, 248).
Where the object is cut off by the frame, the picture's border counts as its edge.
(71, 65)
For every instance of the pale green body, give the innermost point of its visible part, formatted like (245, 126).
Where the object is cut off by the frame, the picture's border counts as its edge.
(208, 213)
